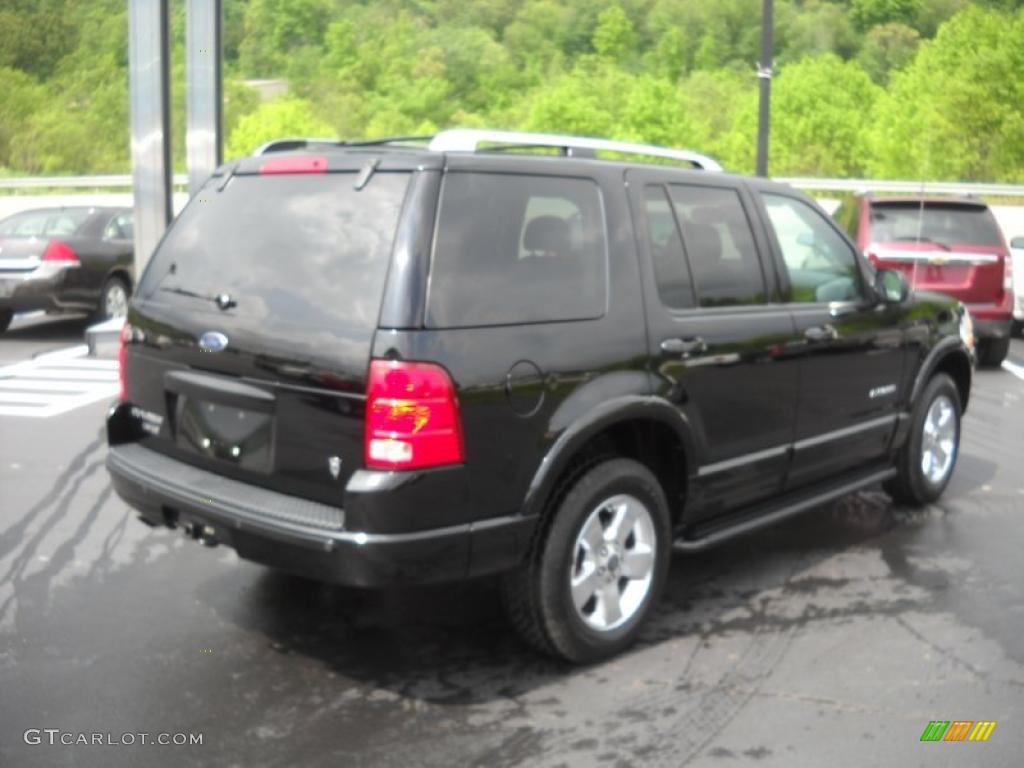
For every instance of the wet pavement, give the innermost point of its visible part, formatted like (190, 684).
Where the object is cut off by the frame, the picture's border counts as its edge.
(830, 640)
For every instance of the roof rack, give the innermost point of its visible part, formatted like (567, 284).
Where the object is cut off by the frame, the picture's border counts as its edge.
(289, 144)
(469, 140)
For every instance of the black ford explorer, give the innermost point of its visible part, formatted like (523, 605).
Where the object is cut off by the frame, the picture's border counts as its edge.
(391, 362)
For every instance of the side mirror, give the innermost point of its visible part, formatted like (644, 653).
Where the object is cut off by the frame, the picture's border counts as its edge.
(1018, 242)
(891, 286)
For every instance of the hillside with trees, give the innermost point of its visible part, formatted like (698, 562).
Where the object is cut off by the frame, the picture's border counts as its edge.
(929, 89)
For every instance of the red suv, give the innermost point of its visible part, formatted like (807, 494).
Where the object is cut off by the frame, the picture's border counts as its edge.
(947, 245)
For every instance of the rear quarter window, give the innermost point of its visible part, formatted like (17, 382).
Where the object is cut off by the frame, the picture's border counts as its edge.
(513, 249)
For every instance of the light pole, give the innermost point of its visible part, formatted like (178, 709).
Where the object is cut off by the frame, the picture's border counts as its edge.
(764, 76)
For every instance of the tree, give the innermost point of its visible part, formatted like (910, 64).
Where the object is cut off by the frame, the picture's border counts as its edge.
(820, 111)
(21, 96)
(867, 13)
(888, 47)
(954, 113)
(288, 116)
(614, 36)
(814, 28)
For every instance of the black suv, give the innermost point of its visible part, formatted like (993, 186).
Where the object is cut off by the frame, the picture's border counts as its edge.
(387, 363)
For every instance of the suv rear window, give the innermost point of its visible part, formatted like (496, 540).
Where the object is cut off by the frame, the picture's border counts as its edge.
(937, 222)
(517, 249)
(305, 249)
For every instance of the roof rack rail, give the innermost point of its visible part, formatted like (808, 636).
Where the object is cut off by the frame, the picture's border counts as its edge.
(289, 144)
(469, 140)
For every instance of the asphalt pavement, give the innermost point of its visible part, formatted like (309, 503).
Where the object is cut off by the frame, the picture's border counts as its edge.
(831, 640)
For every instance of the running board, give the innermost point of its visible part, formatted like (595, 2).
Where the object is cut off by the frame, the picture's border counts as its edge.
(718, 532)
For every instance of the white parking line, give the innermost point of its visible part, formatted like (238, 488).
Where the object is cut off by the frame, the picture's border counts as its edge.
(1016, 370)
(55, 383)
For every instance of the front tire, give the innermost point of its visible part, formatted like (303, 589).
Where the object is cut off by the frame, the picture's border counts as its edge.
(992, 352)
(597, 566)
(928, 456)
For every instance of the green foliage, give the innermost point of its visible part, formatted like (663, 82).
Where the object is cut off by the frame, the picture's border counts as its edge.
(867, 13)
(279, 119)
(888, 47)
(814, 28)
(34, 34)
(20, 95)
(821, 109)
(614, 36)
(955, 111)
(679, 72)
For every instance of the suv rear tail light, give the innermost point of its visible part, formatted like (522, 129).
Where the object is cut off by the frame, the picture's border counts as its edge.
(122, 375)
(1008, 274)
(412, 417)
(60, 251)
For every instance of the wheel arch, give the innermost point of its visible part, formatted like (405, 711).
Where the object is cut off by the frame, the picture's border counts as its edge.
(952, 358)
(644, 428)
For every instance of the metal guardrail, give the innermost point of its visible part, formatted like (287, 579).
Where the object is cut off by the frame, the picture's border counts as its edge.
(106, 181)
(963, 188)
(124, 181)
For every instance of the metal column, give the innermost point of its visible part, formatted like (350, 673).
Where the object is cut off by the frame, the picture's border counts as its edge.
(764, 74)
(149, 88)
(204, 131)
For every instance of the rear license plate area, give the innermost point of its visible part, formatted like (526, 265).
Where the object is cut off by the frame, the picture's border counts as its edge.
(238, 436)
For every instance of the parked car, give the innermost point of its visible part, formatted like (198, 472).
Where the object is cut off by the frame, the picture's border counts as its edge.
(1017, 251)
(72, 259)
(947, 245)
(394, 363)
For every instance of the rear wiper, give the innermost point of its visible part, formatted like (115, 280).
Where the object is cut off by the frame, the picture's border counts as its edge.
(921, 239)
(222, 300)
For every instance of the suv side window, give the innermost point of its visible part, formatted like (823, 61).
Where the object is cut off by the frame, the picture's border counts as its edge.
(821, 265)
(719, 245)
(670, 269)
(516, 249)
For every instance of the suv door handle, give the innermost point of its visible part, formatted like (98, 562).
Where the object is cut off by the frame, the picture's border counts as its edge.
(692, 345)
(821, 333)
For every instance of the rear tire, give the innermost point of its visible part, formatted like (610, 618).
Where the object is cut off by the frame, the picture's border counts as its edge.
(5, 319)
(992, 352)
(928, 456)
(113, 298)
(596, 567)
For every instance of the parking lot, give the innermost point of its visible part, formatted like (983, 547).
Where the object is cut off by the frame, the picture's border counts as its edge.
(832, 639)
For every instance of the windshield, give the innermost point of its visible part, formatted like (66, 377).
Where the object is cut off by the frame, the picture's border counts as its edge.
(306, 248)
(942, 223)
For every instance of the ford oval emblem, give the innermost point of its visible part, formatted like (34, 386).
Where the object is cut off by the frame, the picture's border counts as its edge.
(213, 341)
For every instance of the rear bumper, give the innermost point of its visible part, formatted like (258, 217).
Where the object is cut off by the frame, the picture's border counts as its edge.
(305, 537)
(35, 290)
(994, 326)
